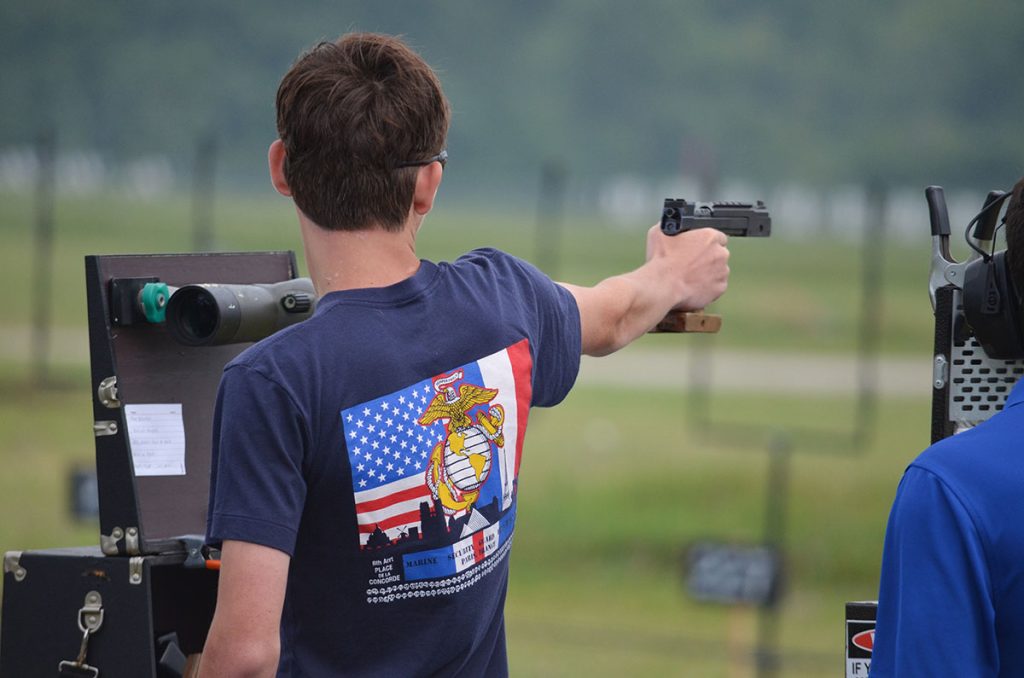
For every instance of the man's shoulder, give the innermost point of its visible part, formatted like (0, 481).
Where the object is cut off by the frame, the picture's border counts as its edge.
(282, 352)
(493, 258)
(978, 461)
(988, 441)
(492, 266)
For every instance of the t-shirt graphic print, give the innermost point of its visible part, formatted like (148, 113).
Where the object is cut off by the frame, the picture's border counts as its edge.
(434, 467)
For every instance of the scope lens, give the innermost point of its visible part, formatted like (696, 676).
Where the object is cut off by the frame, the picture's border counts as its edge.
(197, 315)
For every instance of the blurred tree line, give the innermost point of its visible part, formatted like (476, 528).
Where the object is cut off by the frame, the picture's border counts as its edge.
(913, 91)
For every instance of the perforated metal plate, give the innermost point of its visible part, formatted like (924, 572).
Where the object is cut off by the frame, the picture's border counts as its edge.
(979, 385)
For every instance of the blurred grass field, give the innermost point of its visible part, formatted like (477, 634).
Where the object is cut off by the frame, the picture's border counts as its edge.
(615, 482)
(784, 294)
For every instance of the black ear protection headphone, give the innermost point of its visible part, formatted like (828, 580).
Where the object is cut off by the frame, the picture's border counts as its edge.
(991, 302)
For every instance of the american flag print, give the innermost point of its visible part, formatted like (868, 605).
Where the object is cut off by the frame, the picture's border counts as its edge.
(390, 452)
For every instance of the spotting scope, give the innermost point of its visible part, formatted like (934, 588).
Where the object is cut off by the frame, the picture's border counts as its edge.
(207, 314)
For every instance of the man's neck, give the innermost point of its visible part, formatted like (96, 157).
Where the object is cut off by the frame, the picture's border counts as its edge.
(346, 260)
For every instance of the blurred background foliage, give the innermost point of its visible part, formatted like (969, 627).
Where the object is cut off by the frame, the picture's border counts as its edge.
(916, 91)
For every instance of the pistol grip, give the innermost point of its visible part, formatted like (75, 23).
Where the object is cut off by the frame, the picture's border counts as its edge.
(689, 321)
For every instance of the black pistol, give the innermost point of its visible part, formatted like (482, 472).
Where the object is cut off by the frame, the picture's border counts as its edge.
(740, 219)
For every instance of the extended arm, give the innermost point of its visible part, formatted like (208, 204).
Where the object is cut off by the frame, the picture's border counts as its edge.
(245, 637)
(686, 271)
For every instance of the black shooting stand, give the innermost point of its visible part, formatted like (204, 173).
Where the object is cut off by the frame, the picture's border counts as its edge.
(142, 601)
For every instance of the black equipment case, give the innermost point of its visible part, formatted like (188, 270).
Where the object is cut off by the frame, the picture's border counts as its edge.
(108, 612)
(77, 612)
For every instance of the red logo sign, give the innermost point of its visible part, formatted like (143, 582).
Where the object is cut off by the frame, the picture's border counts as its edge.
(865, 640)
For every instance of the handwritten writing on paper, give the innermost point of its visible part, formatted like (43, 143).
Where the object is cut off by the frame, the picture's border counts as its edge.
(157, 437)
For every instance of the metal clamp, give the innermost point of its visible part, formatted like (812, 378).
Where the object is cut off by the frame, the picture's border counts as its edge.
(90, 619)
(194, 551)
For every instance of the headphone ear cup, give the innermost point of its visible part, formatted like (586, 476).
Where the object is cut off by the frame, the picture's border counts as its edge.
(992, 308)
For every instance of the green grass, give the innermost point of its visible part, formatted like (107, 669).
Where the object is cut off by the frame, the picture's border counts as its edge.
(43, 434)
(615, 484)
(605, 518)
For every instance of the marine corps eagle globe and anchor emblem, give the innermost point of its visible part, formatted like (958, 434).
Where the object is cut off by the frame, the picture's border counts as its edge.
(460, 463)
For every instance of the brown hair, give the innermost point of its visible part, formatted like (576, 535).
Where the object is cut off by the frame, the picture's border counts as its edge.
(349, 113)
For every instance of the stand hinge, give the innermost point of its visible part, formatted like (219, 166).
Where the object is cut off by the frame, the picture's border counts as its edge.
(107, 393)
(135, 569)
(12, 564)
(108, 542)
(131, 541)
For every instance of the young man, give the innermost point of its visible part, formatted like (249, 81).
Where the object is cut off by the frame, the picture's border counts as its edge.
(951, 599)
(365, 461)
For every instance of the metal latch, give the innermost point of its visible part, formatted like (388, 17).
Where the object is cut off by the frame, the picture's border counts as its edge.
(90, 619)
(104, 428)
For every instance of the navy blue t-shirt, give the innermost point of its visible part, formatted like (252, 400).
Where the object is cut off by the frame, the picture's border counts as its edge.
(951, 601)
(378, 443)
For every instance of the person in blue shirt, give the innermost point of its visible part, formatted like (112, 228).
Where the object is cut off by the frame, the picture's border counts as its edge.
(951, 597)
(364, 479)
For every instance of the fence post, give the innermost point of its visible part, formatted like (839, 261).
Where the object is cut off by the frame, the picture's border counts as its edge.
(550, 203)
(776, 502)
(203, 174)
(700, 159)
(46, 179)
(869, 333)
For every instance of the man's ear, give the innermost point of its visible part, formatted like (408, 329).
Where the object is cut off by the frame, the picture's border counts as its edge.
(275, 158)
(428, 179)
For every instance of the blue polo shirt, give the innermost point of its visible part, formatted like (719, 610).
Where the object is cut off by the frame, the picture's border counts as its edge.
(951, 599)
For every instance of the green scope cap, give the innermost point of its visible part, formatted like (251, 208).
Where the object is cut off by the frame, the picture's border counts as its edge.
(154, 298)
